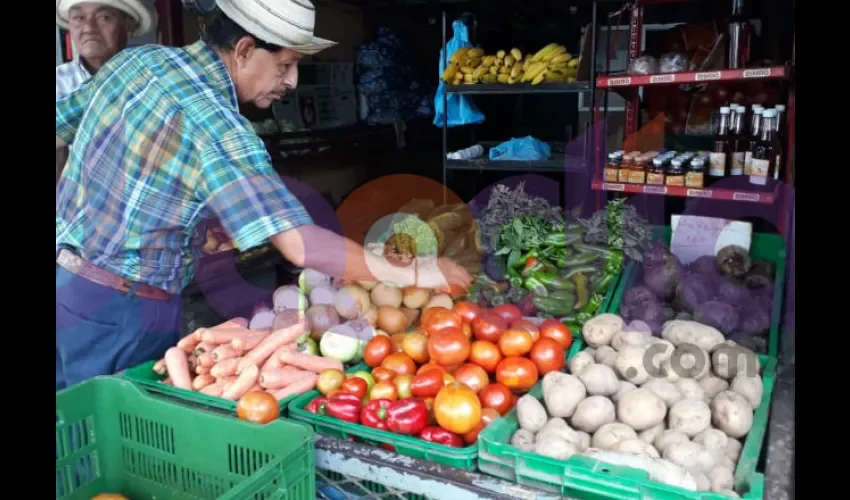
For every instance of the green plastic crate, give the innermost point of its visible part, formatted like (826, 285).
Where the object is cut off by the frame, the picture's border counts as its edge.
(113, 437)
(591, 479)
(765, 246)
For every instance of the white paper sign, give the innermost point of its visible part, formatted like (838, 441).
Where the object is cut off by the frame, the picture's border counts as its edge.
(694, 237)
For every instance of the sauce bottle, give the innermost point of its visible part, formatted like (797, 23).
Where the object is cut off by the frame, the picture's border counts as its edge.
(739, 142)
(755, 131)
(656, 170)
(637, 173)
(767, 152)
(720, 155)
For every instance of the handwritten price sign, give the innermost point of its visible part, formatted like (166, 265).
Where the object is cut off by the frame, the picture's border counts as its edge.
(695, 237)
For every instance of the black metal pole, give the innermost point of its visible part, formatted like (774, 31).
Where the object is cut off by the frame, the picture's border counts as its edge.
(445, 114)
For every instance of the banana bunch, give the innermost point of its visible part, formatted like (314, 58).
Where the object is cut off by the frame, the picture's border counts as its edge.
(552, 63)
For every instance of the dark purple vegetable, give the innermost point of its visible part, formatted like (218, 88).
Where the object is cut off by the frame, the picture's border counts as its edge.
(734, 261)
(755, 321)
(732, 293)
(755, 343)
(638, 326)
(662, 279)
(669, 313)
(657, 255)
(760, 275)
(718, 314)
(692, 291)
(639, 295)
(651, 313)
(706, 265)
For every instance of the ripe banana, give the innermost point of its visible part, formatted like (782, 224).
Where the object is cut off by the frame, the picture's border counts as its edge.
(516, 53)
(494, 70)
(561, 58)
(573, 63)
(555, 76)
(503, 78)
(467, 70)
(500, 54)
(449, 73)
(516, 72)
(504, 70)
(538, 79)
(560, 49)
(525, 64)
(479, 71)
(488, 61)
(476, 52)
(534, 69)
(509, 61)
(489, 79)
(512, 80)
(458, 55)
(470, 78)
(473, 62)
(542, 52)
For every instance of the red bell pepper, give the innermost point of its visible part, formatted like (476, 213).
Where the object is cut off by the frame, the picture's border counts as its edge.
(316, 405)
(343, 406)
(407, 416)
(374, 414)
(441, 436)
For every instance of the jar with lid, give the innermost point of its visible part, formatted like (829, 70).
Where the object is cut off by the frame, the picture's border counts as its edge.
(637, 172)
(656, 170)
(612, 168)
(625, 167)
(675, 175)
(695, 175)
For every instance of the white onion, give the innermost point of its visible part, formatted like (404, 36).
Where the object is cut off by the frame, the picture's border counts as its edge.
(289, 297)
(321, 318)
(262, 320)
(322, 295)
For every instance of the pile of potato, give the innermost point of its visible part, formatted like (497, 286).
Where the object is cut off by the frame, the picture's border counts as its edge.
(678, 406)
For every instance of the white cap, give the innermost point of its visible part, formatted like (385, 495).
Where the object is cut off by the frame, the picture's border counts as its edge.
(758, 110)
(742, 109)
(769, 113)
(780, 107)
(724, 109)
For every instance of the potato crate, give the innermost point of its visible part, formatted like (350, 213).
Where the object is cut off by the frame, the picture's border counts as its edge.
(591, 479)
(111, 437)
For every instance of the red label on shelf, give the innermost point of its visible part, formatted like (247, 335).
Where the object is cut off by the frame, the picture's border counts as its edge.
(699, 193)
(708, 75)
(616, 82)
(757, 73)
(746, 196)
(662, 78)
(655, 189)
(613, 187)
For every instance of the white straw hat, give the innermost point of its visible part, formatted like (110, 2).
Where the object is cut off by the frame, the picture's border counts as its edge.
(287, 23)
(144, 16)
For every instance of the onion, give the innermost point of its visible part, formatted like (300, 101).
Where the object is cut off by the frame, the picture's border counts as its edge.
(414, 297)
(262, 320)
(361, 328)
(322, 295)
(440, 300)
(351, 301)
(310, 278)
(371, 315)
(386, 295)
(340, 343)
(321, 318)
(412, 314)
(285, 319)
(367, 285)
(392, 320)
(289, 297)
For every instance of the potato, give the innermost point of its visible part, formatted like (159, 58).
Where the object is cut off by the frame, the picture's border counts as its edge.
(610, 434)
(689, 455)
(624, 387)
(751, 387)
(729, 493)
(523, 439)
(641, 409)
(605, 355)
(690, 416)
(639, 339)
(530, 414)
(648, 436)
(599, 330)
(415, 298)
(664, 389)
(690, 361)
(599, 380)
(733, 450)
(584, 441)
(712, 386)
(728, 359)
(732, 414)
(690, 389)
(592, 413)
(386, 295)
(636, 447)
(721, 479)
(668, 437)
(681, 332)
(562, 393)
(580, 362)
(713, 440)
(555, 448)
(724, 461)
(703, 483)
(589, 350)
(630, 364)
(559, 429)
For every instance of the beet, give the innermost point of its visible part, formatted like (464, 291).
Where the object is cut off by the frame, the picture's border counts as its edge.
(718, 314)
(639, 295)
(692, 291)
(656, 255)
(756, 321)
(650, 313)
(662, 280)
(732, 293)
(706, 265)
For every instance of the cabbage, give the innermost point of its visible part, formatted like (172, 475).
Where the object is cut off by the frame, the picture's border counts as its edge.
(718, 314)
(692, 291)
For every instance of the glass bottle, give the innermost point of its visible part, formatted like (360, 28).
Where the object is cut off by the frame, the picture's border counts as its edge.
(767, 151)
(720, 155)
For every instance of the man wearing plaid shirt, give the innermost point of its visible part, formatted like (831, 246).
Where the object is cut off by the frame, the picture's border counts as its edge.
(159, 145)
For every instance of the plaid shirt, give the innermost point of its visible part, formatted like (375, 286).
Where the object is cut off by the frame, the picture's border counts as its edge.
(159, 145)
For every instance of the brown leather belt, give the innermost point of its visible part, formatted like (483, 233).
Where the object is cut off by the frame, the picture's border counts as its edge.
(75, 264)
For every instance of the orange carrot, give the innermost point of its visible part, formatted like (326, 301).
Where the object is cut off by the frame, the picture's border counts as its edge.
(258, 355)
(224, 335)
(231, 323)
(256, 388)
(167, 381)
(205, 359)
(249, 341)
(214, 389)
(159, 367)
(224, 351)
(202, 381)
(202, 370)
(298, 387)
(178, 368)
(243, 322)
(243, 382)
(276, 379)
(202, 348)
(226, 380)
(188, 343)
(225, 368)
(273, 363)
(315, 364)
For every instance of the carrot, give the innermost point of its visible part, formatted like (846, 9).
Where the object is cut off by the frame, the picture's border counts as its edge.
(315, 364)
(256, 388)
(188, 343)
(213, 389)
(167, 381)
(202, 348)
(273, 363)
(205, 359)
(249, 342)
(193, 363)
(243, 382)
(238, 321)
(178, 368)
(276, 379)
(202, 381)
(224, 351)
(225, 368)
(258, 355)
(159, 367)
(231, 323)
(298, 387)
(224, 335)
(202, 370)
(226, 380)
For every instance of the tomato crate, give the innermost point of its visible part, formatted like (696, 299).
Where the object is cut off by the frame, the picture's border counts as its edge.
(113, 437)
(591, 479)
(764, 246)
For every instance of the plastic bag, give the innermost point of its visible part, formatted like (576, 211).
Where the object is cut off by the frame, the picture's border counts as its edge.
(673, 62)
(461, 111)
(523, 149)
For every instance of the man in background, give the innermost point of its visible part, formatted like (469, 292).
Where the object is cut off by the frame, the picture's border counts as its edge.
(99, 30)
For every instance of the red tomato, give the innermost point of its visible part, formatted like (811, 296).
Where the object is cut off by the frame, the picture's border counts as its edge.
(498, 397)
(397, 339)
(515, 342)
(448, 347)
(376, 350)
(548, 355)
(258, 406)
(440, 318)
(415, 345)
(517, 374)
(381, 374)
(467, 311)
(524, 324)
(427, 384)
(403, 384)
(399, 363)
(488, 326)
(485, 354)
(457, 408)
(467, 330)
(384, 390)
(428, 366)
(356, 386)
(487, 416)
(472, 375)
(508, 312)
(557, 331)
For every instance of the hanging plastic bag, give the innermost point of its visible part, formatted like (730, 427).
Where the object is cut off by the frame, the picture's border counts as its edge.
(461, 111)
(521, 149)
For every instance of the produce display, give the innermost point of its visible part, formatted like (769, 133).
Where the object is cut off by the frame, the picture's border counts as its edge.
(444, 381)
(550, 64)
(730, 291)
(684, 425)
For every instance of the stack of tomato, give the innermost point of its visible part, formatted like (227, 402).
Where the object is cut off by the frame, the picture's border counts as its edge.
(445, 381)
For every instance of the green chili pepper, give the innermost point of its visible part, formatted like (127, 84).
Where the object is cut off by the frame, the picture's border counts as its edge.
(581, 259)
(572, 271)
(556, 238)
(552, 280)
(594, 303)
(514, 277)
(581, 291)
(535, 286)
(568, 320)
(551, 306)
(582, 317)
(601, 250)
(603, 285)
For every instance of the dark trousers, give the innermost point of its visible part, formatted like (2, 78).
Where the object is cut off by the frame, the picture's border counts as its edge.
(101, 331)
